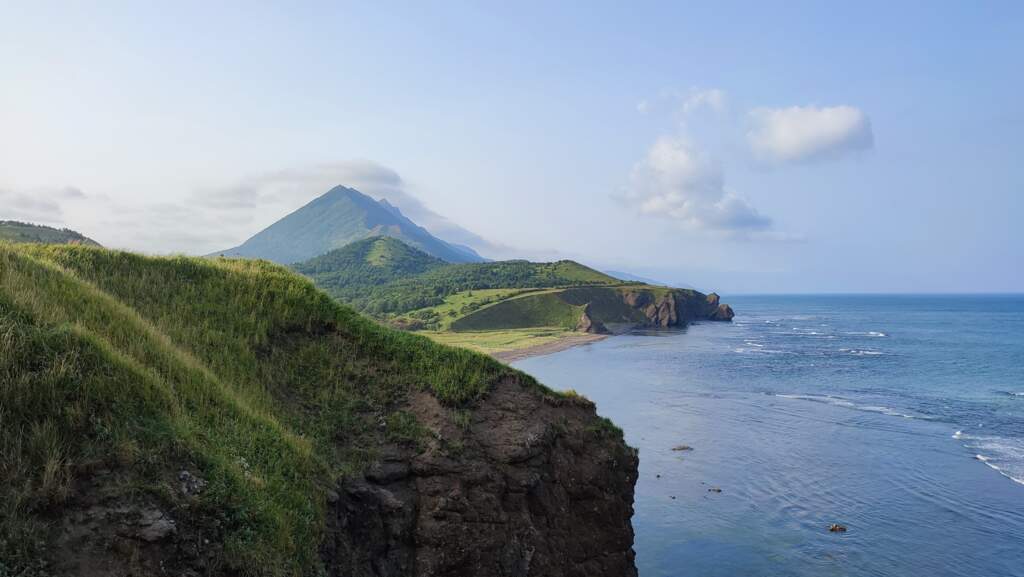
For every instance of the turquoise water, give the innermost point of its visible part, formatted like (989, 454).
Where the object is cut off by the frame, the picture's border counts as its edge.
(900, 417)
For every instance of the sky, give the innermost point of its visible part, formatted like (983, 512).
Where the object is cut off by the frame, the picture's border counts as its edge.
(752, 147)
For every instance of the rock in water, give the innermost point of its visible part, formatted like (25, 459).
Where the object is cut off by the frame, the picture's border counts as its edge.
(723, 313)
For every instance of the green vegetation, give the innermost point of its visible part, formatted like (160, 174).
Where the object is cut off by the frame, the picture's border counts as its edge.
(544, 309)
(415, 281)
(337, 218)
(266, 385)
(15, 231)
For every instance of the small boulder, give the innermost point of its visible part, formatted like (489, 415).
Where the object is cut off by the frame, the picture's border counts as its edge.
(191, 484)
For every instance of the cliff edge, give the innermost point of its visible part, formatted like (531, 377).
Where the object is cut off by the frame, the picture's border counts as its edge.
(224, 417)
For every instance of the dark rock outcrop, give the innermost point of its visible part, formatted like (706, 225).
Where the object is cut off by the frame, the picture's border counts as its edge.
(534, 485)
(587, 324)
(677, 307)
(723, 313)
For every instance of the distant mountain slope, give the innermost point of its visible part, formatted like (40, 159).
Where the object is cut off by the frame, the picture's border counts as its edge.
(385, 276)
(15, 231)
(337, 218)
(369, 262)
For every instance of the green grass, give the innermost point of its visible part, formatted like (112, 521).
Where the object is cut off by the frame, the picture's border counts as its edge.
(14, 231)
(458, 305)
(387, 278)
(545, 309)
(242, 367)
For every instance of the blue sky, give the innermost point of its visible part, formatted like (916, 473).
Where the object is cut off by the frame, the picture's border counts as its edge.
(743, 147)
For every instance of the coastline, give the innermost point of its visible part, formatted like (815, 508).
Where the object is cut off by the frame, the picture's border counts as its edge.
(566, 342)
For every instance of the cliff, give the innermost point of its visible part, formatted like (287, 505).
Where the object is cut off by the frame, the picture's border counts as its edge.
(530, 484)
(223, 417)
(676, 307)
(593, 309)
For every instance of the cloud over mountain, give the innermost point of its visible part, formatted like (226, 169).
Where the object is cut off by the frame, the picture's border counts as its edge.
(807, 133)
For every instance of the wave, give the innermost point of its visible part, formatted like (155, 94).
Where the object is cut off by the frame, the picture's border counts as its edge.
(848, 404)
(760, 349)
(1002, 454)
(875, 334)
(1015, 393)
(862, 352)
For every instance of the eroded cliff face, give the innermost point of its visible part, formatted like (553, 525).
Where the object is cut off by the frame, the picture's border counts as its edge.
(524, 484)
(676, 307)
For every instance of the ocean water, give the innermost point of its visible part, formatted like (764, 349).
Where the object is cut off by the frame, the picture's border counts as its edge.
(900, 417)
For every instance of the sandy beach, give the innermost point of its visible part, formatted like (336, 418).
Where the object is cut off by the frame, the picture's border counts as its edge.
(569, 341)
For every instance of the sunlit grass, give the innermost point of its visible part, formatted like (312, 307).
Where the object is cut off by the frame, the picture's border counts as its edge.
(242, 367)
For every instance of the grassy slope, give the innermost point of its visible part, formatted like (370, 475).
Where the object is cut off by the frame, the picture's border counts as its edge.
(543, 309)
(417, 281)
(14, 231)
(240, 367)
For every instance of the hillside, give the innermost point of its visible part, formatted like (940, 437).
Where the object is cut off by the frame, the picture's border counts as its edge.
(223, 417)
(14, 231)
(397, 283)
(335, 219)
(411, 279)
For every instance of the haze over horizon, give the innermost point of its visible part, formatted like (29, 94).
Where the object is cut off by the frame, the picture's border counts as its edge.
(866, 148)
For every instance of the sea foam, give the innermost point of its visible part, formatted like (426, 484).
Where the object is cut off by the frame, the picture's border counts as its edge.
(1002, 454)
(848, 404)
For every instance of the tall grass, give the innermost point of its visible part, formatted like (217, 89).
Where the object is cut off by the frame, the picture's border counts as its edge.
(240, 367)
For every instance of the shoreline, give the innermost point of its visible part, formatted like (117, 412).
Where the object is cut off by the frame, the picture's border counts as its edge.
(567, 342)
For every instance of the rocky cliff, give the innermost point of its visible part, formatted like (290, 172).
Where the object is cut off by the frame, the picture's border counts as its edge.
(676, 307)
(528, 485)
(177, 416)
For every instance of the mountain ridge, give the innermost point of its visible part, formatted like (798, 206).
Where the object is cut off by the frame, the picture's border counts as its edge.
(339, 217)
(17, 231)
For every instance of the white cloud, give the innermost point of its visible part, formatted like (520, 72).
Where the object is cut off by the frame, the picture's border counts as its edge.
(684, 103)
(677, 181)
(697, 99)
(41, 205)
(804, 133)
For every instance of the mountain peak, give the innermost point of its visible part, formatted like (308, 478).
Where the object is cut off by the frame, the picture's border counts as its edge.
(336, 218)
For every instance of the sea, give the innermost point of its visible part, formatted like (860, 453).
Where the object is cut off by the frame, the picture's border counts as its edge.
(898, 417)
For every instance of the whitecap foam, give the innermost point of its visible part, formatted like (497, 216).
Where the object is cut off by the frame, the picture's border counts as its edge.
(862, 352)
(1015, 393)
(1002, 454)
(848, 404)
(875, 334)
